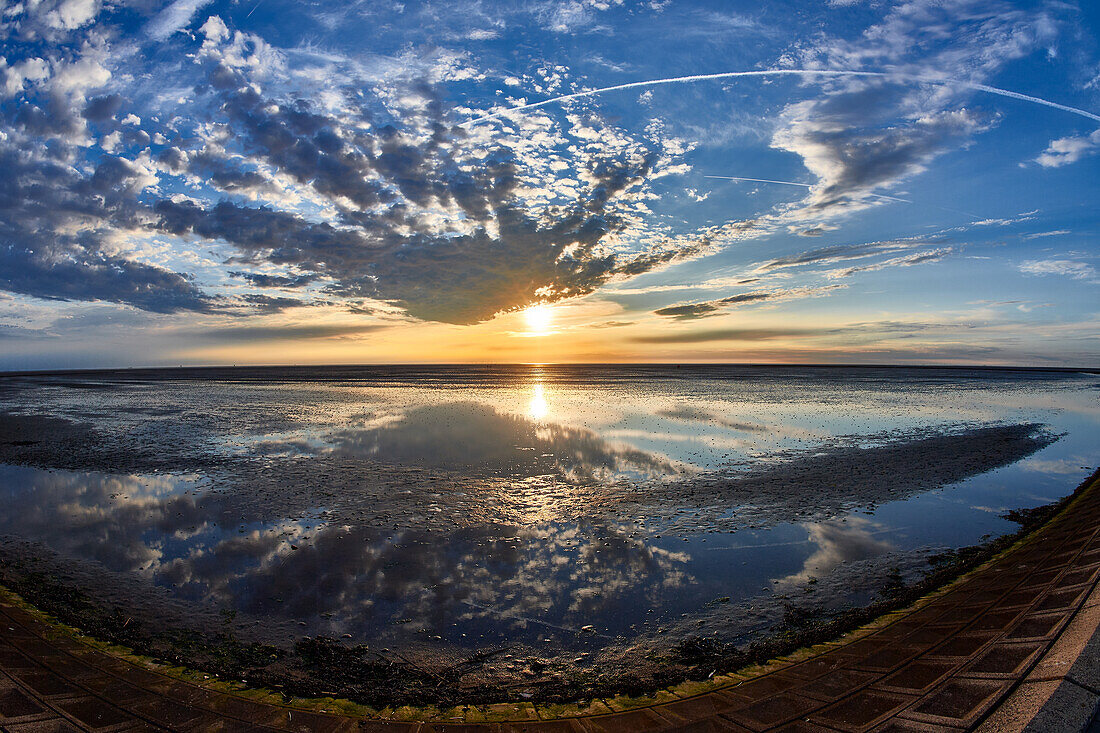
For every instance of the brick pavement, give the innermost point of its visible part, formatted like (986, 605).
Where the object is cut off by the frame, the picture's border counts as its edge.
(956, 660)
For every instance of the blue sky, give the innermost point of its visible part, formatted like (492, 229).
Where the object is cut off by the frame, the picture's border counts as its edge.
(272, 182)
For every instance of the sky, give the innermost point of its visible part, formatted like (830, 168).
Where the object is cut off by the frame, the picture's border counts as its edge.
(536, 181)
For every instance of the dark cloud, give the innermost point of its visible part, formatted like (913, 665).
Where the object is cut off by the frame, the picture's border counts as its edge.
(381, 247)
(244, 334)
(906, 261)
(842, 252)
(270, 303)
(262, 280)
(41, 204)
(83, 274)
(612, 324)
(724, 334)
(847, 141)
(711, 307)
(11, 331)
(102, 109)
(381, 202)
(688, 311)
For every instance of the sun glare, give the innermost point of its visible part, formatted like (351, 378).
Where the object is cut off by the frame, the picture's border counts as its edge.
(538, 318)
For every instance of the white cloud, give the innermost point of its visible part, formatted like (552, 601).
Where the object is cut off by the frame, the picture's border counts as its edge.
(72, 14)
(175, 17)
(482, 34)
(1067, 150)
(14, 78)
(1040, 235)
(1066, 268)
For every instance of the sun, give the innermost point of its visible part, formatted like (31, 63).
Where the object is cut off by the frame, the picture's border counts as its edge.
(539, 318)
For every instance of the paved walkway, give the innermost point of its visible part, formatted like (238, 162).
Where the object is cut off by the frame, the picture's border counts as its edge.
(1008, 647)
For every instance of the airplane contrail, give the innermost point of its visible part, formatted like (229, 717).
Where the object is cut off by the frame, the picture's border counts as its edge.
(761, 180)
(803, 185)
(922, 79)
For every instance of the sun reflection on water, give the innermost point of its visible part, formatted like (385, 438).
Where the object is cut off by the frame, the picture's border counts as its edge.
(538, 408)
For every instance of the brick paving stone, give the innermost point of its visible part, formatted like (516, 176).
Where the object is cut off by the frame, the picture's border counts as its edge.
(215, 724)
(637, 720)
(862, 711)
(57, 725)
(146, 678)
(696, 708)
(925, 616)
(96, 714)
(168, 713)
(899, 725)
(125, 695)
(1091, 554)
(1040, 579)
(775, 710)
(12, 659)
(814, 668)
(1023, 597)
(803, 726)
(15, 703)
(997, 620)
(866, 647)
(759, 688)
(1086, 574)
(958, 616)
(69, 668)
(1005, 660)
(957, 702)
(1036, 626)
(47, 684)
(567, 725)
(929, 635)
(1062, 598)
(838, 684)
(440, 727)
(918, 676)
(963, 645)
(710, 725)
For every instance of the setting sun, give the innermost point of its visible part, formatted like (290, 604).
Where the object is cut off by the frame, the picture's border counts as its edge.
(539, 318)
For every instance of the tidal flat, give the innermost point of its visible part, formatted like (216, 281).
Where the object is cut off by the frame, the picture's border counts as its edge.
(449, 534)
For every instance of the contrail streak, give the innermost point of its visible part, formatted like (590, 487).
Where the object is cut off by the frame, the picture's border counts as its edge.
(803, 185)
(761, 180)
(787, 72)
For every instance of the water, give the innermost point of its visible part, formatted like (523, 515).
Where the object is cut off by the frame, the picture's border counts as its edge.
(447, 509)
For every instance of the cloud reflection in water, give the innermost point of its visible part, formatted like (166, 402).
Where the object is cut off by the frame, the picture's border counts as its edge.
(476, 438)
(839, 542)
(486, 580)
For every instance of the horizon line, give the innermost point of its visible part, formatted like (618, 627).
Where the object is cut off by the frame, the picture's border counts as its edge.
(675, 364)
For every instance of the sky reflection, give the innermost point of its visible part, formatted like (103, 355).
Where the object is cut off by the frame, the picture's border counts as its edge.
(473, 437)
